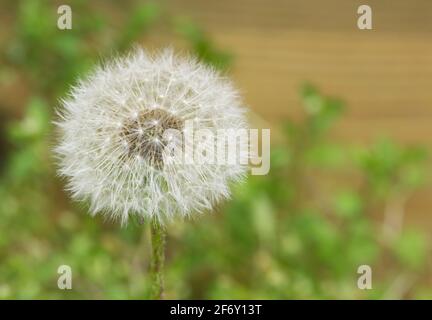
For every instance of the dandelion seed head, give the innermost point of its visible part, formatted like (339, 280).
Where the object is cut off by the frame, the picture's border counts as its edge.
(111, 145)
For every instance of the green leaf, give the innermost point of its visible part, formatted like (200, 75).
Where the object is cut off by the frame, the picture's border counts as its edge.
(139, 23)
(348, 204)
(34, 124)
(201, 44)
(264, 219)
(325, 154)
(411, 249)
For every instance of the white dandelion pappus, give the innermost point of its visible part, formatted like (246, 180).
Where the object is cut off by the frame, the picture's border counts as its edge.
(111, 128)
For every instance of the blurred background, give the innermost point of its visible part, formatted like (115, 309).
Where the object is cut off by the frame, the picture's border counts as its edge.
(350, 112)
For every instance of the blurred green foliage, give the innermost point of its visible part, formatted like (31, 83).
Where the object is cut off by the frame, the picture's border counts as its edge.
(300, 232)
(203, 47)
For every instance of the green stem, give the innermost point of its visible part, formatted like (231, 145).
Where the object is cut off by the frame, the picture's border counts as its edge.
(157, 259)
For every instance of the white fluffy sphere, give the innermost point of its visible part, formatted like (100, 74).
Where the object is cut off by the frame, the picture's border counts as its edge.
(111, 125)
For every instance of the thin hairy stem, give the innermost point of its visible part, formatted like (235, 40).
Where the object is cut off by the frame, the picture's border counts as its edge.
(157, 259)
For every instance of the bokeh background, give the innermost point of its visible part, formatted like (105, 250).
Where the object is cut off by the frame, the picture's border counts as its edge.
(350, 113)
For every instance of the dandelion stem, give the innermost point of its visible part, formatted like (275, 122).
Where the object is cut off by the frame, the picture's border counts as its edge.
(157, 259)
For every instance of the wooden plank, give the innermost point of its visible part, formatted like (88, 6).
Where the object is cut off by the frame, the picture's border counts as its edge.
(335, 15)
(380, 78)
(384, 75)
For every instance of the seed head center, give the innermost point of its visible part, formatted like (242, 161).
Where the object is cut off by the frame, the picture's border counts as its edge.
(144, 134)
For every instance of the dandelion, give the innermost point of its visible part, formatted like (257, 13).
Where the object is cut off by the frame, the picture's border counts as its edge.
(112, 140)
